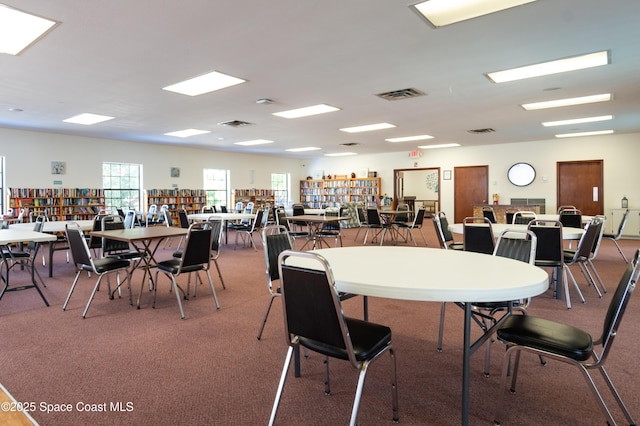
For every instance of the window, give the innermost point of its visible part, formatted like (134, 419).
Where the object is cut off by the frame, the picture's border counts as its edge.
(216, 186)
(280, 184)
(122, 184)
(3, 198)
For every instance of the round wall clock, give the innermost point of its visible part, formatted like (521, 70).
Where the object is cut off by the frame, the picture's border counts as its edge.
(521, 174)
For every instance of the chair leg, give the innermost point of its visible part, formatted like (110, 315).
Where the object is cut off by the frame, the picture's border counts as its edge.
(441, 328)
(590, 280)
(73, 286)
(575, 284)
(617, 396)
(93, 293)
(266, 315)
(595, 272)
(213, 291)
(283, 379)
(215, 261)
(619, 250)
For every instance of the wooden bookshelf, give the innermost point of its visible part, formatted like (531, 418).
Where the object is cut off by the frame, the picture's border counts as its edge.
(58, 203)
(335, 192)
(192, 200)
(260, 197)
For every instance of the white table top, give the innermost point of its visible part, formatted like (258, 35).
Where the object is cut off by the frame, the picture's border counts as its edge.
(585, 219)
(567, 233)
(53, 226)
(306, 211)
(429, 274)
(223, 216)
(10, 236)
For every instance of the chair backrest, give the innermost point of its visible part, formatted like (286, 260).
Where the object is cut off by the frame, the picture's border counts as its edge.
(120, 211)
(311, 304)
(331, 226)
(207, 209)
(508, 215)
(79, 248)
(197, 246)
(517, 244)
(563, 208)
(571, 218)
(223, 209)
(437, 225)
(109, 223)
(256, 224)
(249, 207)
(477, 235)
(588, 239)
(618, 305)
(362, 217)
(489, 214)
(523, 217)
(550, 244)
(96, 242)
(165, 214)
(281, 219)
(239, 207)
(298, 209)
(276, 240)
(373, 217)
(183, 218)
(596, 244)
(129, 219)
(623, 223)
(37, 227)
(402, 217)
(419, 217)
(216, 231)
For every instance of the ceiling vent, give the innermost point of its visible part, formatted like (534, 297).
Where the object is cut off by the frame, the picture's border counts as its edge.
(235, 123)
(478, 131)
(397, 95)
(350, 144)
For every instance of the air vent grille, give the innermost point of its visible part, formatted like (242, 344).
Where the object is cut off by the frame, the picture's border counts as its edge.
(397, 95)
(350, 144)
(478, 131)
(234, 123)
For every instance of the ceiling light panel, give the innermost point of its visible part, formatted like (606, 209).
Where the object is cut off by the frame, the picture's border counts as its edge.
(445, 12)
(604, 97)
(575, 135)
(577, 121)
(552, 67)
(409, 138)
(18, 30)
(307, 148)
(306, 111)
(253, 142)
(367, 128)
(442, 145)
(204, 84)
(340, 154)
(88, 119)
(187, 132)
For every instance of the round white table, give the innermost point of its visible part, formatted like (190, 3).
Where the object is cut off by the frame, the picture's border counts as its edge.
(435, 275)
(498, 228)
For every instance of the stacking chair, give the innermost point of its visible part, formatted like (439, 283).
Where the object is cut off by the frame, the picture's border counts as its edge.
(571, 218)
(223, 209)
(25, 257)
(581, 254)
(523, 217)
(477, 235)
(183, 219)
(375, 222)
(196, 257)
(330, 229)
(408, 227)
(83, 261)
(151, 218)
(445, 238)
(563, 208)
(95, 243)
(362, 220)
(298, 210)
(588, 263)
(276, 240)
(549, 251)
(489, 213)
(246, 232)
(569, 344)
(282, 221)
(208, 209)
(310, 294)
(129, 219)
(615, 237)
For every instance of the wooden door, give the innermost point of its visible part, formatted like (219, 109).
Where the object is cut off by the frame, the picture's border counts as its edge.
(470, 187)
(580, 184)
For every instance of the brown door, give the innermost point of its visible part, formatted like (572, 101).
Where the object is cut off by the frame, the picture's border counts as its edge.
(580, 184)
(470, 187)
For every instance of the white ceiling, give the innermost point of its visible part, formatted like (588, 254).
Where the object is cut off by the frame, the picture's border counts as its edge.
(113, 57)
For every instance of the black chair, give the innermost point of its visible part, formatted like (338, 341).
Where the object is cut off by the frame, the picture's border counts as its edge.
(615, 237)
(208, 209)
(375, 222)
(223, 209)
(477, 235)
(183, 219)
(298, 210)
(246, 231)
(581, 255)
(489, 213)
(571, 218)
(84, 262)
(23, 257)
(313, 319)
(119, 249)
(276, 240)
(523, 217)
(549, 251)
(405, 228)
(196, 257)
(282, 221)
(569, 344)
(330, 229)
(445, 238)
(362, 220)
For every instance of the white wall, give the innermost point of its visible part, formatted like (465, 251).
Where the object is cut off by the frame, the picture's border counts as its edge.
(619, 152)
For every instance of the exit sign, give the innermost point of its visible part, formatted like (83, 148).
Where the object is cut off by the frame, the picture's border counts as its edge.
(415, 154)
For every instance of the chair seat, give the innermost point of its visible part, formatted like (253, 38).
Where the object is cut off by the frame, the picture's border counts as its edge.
(367, 338)
(545, 335)
(107, 264)
(16, 254)
(172, 266)
(548, 263)
(456, 246)
(127, 255)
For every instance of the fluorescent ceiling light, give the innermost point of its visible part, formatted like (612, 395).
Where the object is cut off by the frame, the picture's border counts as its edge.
(253, 142)
(308, 148)
(306, 111)
(187, 132)
(87, 119)
(340, 154)
(444, 12)
(204, 84)
(577, 121)
(552, 67)
(18, 30)
(442, 145)
(409, 138)
(377, 126)
(574, 135)
(568, 102)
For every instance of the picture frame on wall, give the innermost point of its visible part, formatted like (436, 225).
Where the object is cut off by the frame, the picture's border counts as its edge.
(446, 175)
(175, 172)
(58, 167)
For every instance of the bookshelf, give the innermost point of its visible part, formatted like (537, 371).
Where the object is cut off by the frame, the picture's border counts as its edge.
(334, 192)
(58, 203)
(192, 200)
(260, 197)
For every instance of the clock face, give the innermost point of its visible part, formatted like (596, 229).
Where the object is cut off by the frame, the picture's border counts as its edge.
(521, 174)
